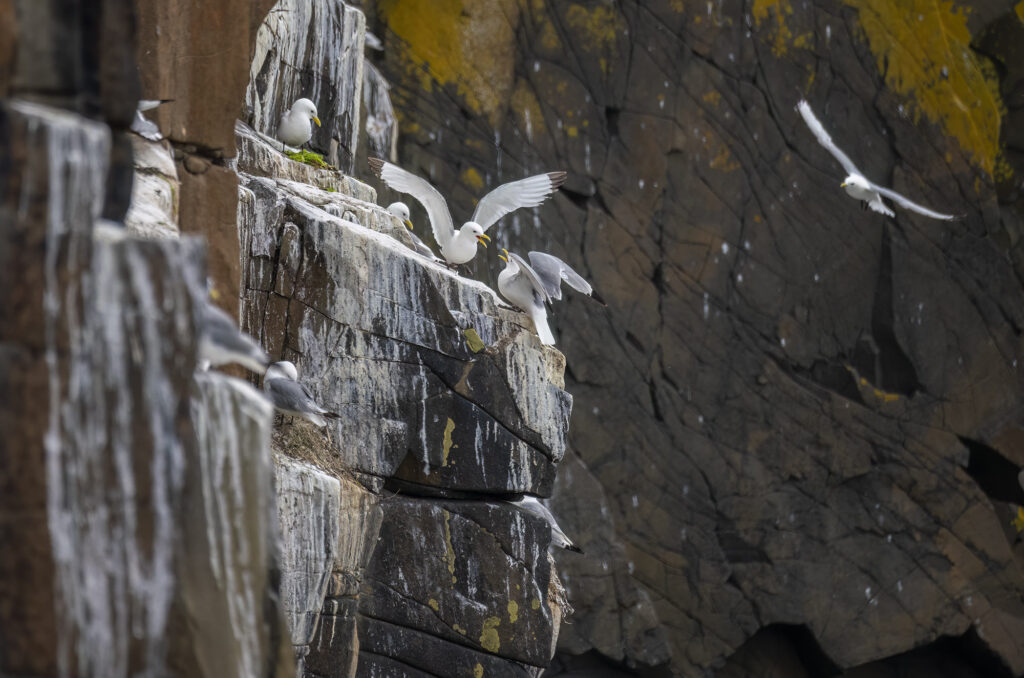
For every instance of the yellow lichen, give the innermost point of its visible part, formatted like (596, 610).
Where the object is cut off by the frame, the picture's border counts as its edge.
(472, 178)
(534, 604)
(459, 629)
(723, 160)
(1019, 8)
(572, 131)
(1018, 521)
(513, 611)
(478, 671)
(433, 605)
(489, 639)
(454, 43)
(526, 105)
(449, 549)
(446, 443)
(599, 27)
(473, 340)
(922, 49)
(780, 9)
(712, 97)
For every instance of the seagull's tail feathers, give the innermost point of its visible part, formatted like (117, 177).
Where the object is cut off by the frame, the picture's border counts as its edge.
(317, 419)
(330, 415)
(540, 321)
(878, 206)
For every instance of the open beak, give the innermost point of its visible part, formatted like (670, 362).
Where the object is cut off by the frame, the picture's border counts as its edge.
(483, 236)
(408, 224)
(316, 120)
(504, 257)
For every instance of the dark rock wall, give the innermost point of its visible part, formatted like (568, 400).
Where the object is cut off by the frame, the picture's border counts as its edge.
(775, 415)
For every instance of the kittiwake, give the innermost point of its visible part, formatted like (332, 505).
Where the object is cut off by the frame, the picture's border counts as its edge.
(147, 129)
(295, 128)
(856, 184)
(290, 396)
(221, 342)
(530, 286)
(401, 210)
(459, 247)
(533, 506)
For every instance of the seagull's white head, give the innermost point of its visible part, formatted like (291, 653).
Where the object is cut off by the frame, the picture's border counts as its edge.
(306, 108)
(282, 370)
(401, 210)
(856, 181)
(476, 230)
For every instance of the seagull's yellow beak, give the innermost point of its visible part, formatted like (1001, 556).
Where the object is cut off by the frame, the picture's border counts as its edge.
(408, 224)
(316, 120)
(842, 185)
(504, 257)
(483, 236)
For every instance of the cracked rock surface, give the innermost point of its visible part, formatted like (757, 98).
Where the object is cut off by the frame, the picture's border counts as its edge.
(789, 414)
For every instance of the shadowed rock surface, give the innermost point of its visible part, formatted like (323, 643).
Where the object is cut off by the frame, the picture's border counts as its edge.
(776, 413)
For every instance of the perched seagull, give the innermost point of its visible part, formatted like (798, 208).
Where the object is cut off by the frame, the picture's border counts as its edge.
(401, 210)
(459, 247)
(221, 342)
(147, 129)
(291, 397)
(529, 287)
(533, 506)
(856, 184)
(295, 128)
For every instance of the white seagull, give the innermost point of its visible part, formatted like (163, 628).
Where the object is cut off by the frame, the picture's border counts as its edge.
(221, 342)
(530, 286)
(295, 128)
(459, 247)
(533, 506)
(401, 210)
(856, 184)
(290, 396)
(147, 129)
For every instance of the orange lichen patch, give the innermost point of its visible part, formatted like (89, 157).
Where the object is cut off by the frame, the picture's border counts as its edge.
(780, 9)
(712, 97)
(472, 178)
(454, 43)
(922, 49)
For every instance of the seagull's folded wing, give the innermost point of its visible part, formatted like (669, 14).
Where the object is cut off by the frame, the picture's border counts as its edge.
(552, 271)
(527, 272)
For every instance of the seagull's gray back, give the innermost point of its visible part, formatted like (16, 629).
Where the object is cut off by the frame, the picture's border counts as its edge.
(552, 271)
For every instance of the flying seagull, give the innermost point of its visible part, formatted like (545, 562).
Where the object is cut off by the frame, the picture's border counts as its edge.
(221, 342)
(459, 247)
(856, 184)
(530, 286)
(533, 506)
(401, 210)
(290, 396)
(295, 128)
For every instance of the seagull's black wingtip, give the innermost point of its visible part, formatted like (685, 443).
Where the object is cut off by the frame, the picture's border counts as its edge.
(597, 297)
(557, 179)
(574, 548)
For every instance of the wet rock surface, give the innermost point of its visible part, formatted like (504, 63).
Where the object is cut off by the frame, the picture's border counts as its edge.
(782, 415)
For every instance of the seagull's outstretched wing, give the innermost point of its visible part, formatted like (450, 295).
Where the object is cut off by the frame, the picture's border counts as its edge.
(528, 192)
(540, 289)
(552, 271)
(824, 139)
(432, 200)
(913, 206)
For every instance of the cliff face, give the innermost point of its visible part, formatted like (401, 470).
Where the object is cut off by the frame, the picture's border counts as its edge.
(155, 521)
(795, 419)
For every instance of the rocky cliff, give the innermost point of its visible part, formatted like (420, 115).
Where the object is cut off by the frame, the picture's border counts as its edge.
(799, 422)
(159, 523)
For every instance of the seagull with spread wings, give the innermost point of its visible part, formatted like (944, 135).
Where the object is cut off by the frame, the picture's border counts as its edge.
(459, 247)
(856, 184)
(530, 285)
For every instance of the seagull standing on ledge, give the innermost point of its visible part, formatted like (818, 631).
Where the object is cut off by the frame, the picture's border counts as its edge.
(529, 286)
(459, 247)
(856, 184)
(533, 506)
(296, 128)
(291, 397)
